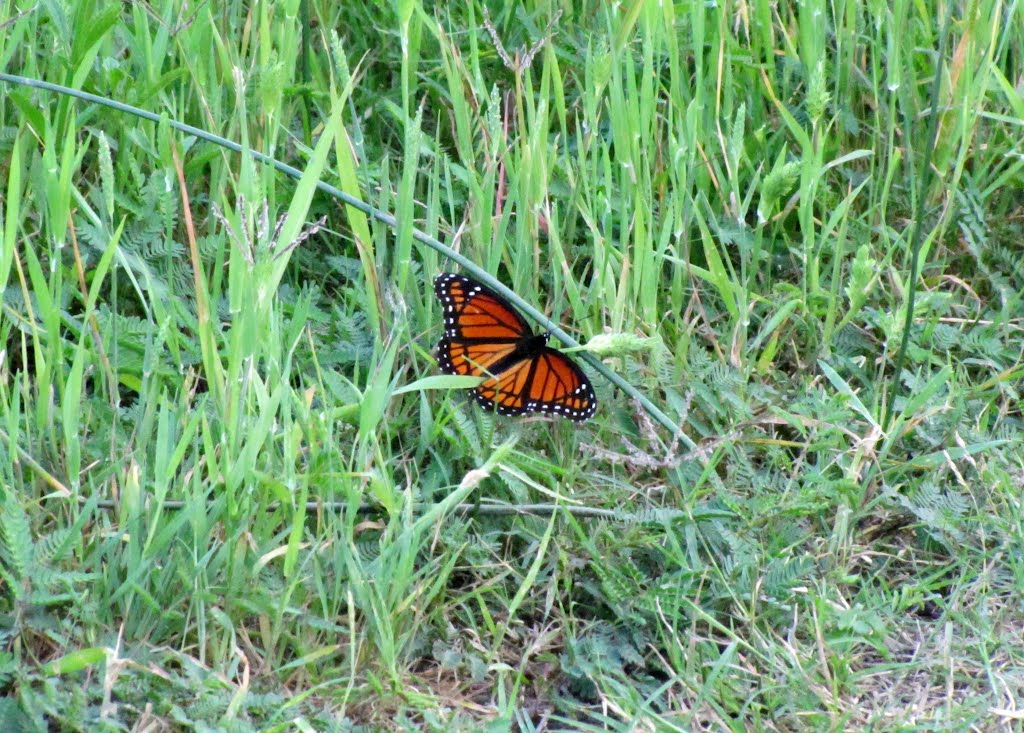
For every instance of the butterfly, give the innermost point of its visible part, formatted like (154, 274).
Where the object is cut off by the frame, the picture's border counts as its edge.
(484, 336)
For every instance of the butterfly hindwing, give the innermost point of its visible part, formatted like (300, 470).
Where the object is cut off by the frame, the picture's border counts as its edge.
(468, 359)
(561, 387)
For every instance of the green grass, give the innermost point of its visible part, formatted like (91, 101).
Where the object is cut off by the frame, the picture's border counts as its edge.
(233, 499)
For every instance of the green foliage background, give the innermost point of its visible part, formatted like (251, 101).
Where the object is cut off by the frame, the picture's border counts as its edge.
(233, 497)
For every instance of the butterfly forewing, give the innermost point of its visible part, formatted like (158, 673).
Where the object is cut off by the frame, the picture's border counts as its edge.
(474, 311)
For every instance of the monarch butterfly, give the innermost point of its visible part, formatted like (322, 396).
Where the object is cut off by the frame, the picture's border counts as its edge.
(484, 336)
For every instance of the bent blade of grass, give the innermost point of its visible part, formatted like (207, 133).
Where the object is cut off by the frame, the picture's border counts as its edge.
(847, 391)
(441, 382)
(304, 191)
(11, 214)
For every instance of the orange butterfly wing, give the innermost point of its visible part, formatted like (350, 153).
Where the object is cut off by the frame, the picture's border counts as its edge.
(485, 336)
(474, 311)
(547, 382)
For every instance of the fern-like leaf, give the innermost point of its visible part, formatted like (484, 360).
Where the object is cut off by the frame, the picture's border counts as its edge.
(16, 534)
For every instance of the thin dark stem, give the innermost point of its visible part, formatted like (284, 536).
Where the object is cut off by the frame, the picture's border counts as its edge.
(536, 510)
(381, 216)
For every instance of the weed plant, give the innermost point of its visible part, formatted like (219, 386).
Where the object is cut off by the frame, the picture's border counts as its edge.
(236, 495)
